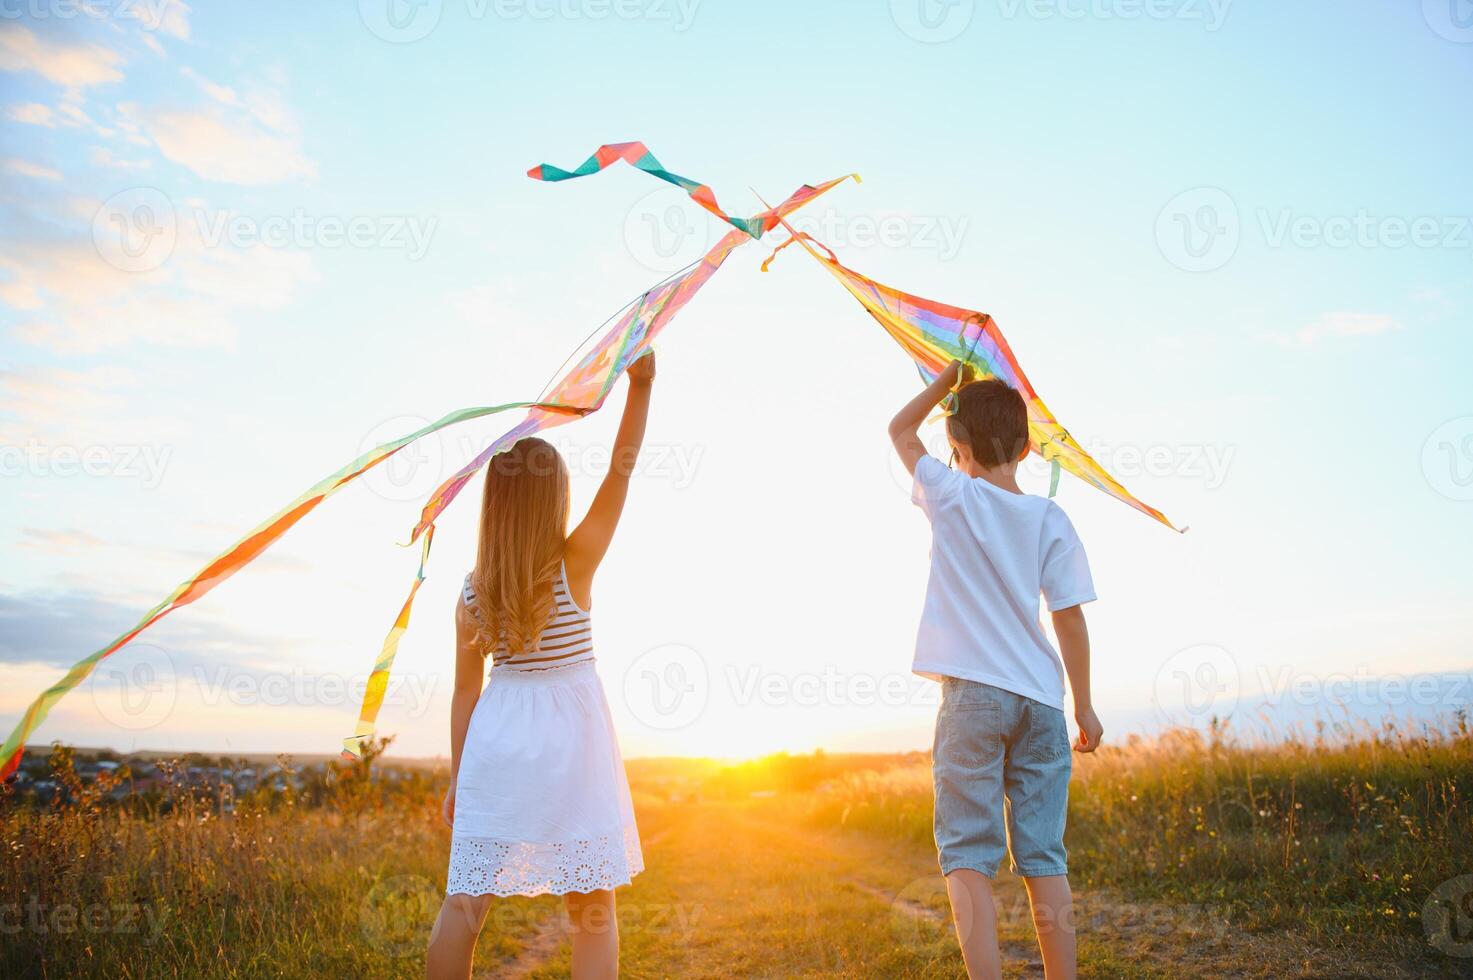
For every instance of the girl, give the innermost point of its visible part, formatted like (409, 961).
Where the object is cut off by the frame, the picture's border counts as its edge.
(538, 800)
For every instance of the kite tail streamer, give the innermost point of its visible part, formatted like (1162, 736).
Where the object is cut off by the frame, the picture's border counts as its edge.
(589, 382)
(637, 155)
(585, 387)
(580, 392)
(934, 334)
(378, 681)
(232, 560)
(803, 235)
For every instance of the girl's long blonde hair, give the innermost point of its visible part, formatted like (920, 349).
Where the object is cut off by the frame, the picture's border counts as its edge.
(524, 525)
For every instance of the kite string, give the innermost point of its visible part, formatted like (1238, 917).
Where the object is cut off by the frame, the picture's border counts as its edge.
(617, 313)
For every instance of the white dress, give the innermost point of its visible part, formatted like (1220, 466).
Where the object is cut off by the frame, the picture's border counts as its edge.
(542, 802)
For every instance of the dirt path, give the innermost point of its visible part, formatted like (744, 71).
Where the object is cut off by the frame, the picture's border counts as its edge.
(739, 891)
(545, 943)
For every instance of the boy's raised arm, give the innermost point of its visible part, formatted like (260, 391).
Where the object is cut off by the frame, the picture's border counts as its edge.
(906, 423)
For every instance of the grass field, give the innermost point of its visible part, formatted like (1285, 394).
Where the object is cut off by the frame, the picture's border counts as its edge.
(1192, 856)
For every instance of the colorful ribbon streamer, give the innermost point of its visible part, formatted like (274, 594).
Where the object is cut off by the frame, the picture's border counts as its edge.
(587, 384)
(378, 680)
(230, 561)
(590, 381)
(638, 156)
(932, 334)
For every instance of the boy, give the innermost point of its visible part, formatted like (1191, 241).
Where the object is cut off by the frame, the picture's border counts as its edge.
(1000, 732)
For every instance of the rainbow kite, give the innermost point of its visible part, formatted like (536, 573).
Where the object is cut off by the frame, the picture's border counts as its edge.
(934, 334)
(931, 333)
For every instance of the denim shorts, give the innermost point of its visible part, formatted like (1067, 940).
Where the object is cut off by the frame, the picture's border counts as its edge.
(1001, 765)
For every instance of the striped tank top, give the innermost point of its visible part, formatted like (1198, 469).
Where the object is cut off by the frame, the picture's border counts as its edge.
(567, 638)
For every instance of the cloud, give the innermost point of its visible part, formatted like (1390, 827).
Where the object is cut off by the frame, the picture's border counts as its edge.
(43, 391)
(74, 65)
(86, 274)
(25, 168)
(223, 94)
(1336, 325)
(101, 156)
(77, 303)
(246, 137)
(60, 406)
(58, 539)
(76, 117)
(20, 296)
(218, 147)
(59, 628)
(32, 114)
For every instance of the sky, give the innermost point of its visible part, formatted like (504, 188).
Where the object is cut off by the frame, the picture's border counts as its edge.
(1231, 243)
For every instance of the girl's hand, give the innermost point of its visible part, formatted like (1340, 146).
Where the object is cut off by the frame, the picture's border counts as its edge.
(958, 374)
(642, 371)
(447, 809)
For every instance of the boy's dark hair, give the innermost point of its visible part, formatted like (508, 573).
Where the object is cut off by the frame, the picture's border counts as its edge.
(990, 417)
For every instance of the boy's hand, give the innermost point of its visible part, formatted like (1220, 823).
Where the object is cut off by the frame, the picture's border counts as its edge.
(958, 374)
(1090, 730)
(905, 423)
(642, 371)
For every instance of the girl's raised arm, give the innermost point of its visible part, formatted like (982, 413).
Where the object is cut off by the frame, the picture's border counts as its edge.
(590, 539)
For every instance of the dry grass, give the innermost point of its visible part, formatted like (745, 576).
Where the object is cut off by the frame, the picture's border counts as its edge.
(1338, 840)
(1310, 857)
(328, 880)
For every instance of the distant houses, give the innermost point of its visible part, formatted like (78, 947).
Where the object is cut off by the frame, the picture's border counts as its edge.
(106, 775)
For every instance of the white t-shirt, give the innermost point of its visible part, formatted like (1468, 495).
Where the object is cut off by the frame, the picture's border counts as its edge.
(992, 554)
